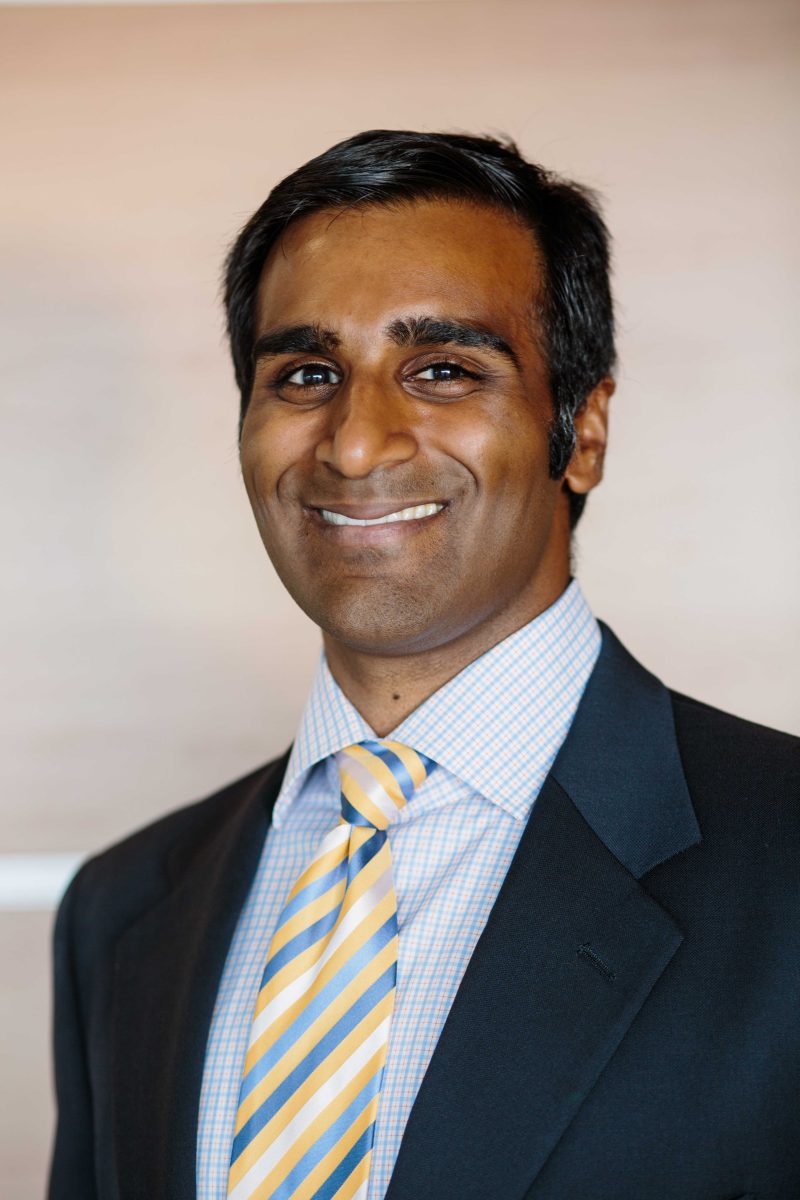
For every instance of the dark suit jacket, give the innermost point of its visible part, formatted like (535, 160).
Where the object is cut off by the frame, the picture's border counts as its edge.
(628, 1027)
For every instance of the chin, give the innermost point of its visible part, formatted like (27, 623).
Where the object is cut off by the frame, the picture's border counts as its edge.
(380, 626)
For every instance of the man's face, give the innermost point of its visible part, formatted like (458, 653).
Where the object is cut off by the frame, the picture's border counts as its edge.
(397, 371)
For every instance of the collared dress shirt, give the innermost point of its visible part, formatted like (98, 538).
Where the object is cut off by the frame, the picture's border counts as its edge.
(493, 731)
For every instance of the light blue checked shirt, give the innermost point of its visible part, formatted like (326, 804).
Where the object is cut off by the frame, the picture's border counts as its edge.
(451, 847)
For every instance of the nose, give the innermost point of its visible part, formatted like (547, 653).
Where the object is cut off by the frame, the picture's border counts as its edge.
(367, 428)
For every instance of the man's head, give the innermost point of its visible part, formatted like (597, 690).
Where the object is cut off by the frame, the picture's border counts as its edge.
(421, 319)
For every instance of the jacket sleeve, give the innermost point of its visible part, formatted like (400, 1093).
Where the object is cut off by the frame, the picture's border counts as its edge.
(72, 1170)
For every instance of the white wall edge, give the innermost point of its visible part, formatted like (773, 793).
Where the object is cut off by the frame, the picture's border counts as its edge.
(35, 882)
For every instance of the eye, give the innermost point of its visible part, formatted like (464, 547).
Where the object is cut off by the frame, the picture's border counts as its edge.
(444, 372)
(311, 375)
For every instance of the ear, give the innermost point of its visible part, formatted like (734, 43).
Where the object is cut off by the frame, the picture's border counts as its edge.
(585, 469)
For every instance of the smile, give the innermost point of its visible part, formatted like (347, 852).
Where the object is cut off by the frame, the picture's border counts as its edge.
(415, 513)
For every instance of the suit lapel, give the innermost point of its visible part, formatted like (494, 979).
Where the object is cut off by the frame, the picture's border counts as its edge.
(167, 970)
(571, 950)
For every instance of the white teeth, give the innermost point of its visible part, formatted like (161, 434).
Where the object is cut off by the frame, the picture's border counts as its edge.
(402, 514)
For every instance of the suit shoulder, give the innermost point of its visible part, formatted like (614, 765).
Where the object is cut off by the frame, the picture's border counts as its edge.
(734, 763)
(698, 723)
(120, 880)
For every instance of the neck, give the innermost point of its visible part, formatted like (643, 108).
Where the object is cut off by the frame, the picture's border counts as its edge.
(386, 688)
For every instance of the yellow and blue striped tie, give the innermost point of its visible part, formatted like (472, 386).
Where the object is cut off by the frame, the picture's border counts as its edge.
(312, 1079)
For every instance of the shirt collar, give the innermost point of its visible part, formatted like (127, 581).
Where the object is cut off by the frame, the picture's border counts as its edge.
(524, 690)
(329, 723)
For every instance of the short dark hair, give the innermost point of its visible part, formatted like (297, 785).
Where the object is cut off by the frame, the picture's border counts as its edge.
(384, 166)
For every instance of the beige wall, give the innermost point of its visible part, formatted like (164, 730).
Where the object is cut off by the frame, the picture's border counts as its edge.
(149, 653)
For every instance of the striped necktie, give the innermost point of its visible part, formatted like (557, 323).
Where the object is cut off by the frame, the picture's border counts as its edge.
(312, 1078)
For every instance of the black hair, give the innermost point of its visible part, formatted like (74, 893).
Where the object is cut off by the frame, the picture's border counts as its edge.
(383, 166)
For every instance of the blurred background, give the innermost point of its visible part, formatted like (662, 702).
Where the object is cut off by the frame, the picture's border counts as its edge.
(149, 652)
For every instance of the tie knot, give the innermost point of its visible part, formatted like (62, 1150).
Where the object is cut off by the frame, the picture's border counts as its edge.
(378, 779)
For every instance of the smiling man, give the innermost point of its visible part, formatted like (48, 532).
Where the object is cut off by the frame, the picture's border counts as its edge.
(396, 441)
(510, 920)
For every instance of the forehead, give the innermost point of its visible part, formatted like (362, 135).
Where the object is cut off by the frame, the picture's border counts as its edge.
(361, 267)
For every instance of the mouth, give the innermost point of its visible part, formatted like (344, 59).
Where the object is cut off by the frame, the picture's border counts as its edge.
(412, 512)
(379, 524)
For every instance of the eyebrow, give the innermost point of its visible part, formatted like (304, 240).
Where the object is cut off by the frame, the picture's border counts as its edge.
(444, 331)
(295, 339)
(405, 331)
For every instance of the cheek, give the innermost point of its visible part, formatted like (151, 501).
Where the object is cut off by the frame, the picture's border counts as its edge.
(271, 446)
(508, 456)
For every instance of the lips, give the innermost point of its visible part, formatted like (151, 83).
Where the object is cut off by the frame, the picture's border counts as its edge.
(412, 512)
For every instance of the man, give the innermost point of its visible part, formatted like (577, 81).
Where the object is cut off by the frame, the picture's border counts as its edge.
(511, 920)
